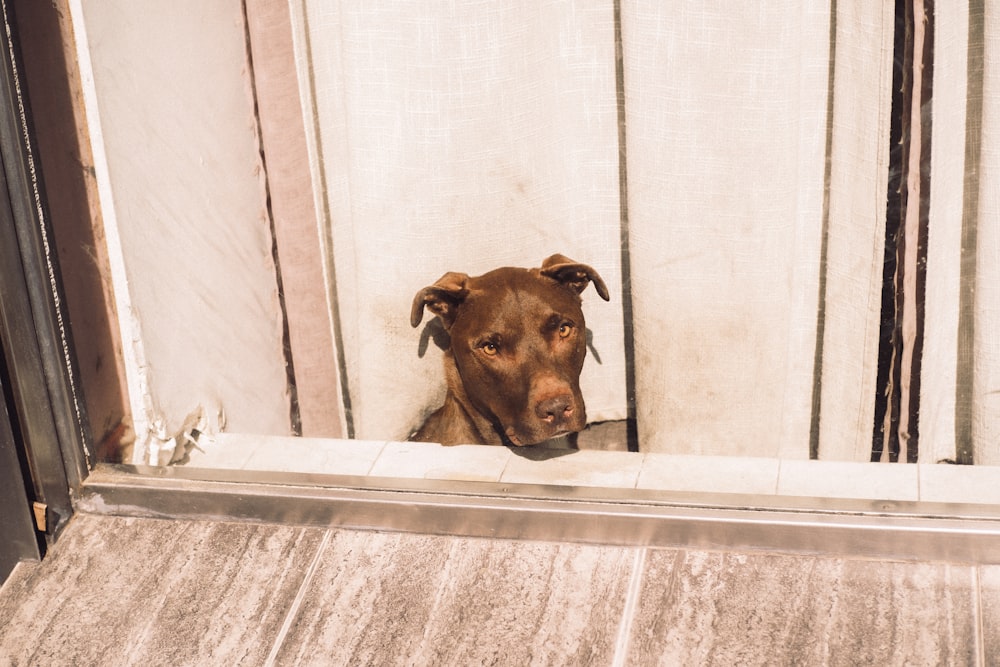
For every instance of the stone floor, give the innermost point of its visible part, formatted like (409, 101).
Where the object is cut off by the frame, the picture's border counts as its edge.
(122, 591)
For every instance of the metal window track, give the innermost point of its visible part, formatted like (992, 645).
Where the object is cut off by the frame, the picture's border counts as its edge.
(842, 528)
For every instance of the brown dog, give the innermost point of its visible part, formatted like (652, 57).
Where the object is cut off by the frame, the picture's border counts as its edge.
(518, 340)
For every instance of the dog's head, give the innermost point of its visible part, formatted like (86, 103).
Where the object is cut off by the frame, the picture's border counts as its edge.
(518, 340)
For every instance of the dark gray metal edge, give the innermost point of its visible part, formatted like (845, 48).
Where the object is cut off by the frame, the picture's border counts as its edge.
(528, 512)
(48, 411)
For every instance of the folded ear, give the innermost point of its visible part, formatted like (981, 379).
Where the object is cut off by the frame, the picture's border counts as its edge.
(442, 298)
(574, 275)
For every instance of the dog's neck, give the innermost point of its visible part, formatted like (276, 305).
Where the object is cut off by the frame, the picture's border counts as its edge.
(486, 430)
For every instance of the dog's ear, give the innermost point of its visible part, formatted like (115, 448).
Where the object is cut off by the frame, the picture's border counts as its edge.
(442, 298)
(574, 275)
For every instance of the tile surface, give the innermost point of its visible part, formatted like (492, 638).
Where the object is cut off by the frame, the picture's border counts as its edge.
(726, 608)
(236, 451)
(942, 482)
(844, 479)
(573, 467)
(716, 474)
(327, 456)
(433, 461)
(118, 591)
(222, 450)
(425, 600)
(989, 586)
(557, 463)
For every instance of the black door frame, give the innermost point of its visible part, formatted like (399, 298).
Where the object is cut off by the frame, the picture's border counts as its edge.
(20, 539)
(44, 416)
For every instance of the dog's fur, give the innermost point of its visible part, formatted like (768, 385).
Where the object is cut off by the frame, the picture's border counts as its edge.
(518, 340)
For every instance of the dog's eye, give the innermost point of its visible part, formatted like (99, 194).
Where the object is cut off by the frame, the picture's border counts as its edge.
(565, 329)
(490, 349)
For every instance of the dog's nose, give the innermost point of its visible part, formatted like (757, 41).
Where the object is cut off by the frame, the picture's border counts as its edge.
(556, 409)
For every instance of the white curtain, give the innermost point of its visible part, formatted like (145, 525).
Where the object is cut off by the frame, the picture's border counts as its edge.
(468, 135)
(756, 265)
(741, 257)
(960, 384)
(458, 136)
